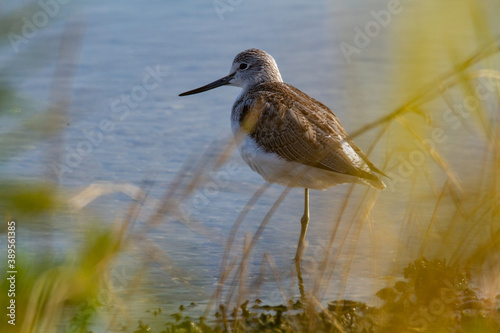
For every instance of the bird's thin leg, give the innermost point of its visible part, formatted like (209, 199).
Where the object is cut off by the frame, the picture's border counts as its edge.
(304, 222)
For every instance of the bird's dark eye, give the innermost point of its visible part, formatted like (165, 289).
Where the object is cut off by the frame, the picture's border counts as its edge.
(243, 66)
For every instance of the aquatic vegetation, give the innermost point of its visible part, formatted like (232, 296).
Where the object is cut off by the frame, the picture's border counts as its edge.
(438, 139)
(432, 297)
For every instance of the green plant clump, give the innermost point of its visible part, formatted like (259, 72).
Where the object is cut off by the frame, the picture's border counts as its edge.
(433, 297)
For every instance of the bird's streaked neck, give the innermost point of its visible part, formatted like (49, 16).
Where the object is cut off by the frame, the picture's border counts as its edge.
(257, 79)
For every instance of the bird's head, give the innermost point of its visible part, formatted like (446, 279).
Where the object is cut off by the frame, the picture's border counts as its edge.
(249, 68)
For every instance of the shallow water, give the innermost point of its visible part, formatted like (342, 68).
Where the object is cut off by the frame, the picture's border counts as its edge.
(189, 44)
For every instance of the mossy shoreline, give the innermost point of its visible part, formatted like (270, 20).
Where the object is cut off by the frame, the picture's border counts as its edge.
(432, 297)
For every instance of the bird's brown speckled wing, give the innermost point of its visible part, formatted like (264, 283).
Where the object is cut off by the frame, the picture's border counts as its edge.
(285, 121)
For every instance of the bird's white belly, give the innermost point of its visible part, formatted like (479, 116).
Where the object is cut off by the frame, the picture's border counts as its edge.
(275, 169)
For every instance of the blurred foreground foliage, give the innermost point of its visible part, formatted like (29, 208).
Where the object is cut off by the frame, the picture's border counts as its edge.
(71, 292)
(433, 297)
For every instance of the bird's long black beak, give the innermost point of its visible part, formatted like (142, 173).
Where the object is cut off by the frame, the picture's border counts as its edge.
(220, 82)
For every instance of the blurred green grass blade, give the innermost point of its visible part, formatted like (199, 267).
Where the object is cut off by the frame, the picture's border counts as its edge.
(7, 99)
(12, 23)
(34, 53)
(14, 105)
(39, 54)
(33, 199)
(35, 129)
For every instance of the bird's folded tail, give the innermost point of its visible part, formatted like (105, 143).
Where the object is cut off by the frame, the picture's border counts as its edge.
(374, 182)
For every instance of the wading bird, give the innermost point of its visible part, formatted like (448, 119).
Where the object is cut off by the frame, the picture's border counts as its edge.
(288, 137)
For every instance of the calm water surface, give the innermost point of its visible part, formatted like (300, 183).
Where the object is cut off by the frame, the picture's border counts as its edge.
(189, 44)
